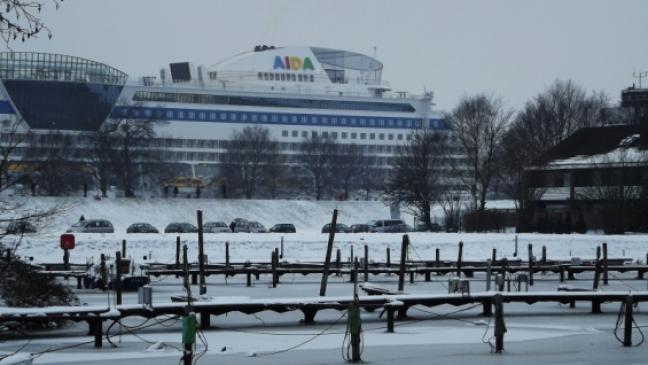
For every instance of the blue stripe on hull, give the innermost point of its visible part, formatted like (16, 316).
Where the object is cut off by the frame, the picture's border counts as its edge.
(227, 116)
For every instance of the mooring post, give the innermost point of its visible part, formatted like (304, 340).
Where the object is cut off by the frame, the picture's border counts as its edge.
(494, 257)
(500, 326)
(390, 318)
(355, 326)
(598, 253)
(516, 246)
(605, 263)
(338, 262)
(103, 272)
(227, 255)
(96, 330)
(628, 320)
(329, 251)
(597, 274)
(530, 264)
(123, 252)
(488, 274)
(544, 254)
(273, 260)
(66, 259)
(401, 271)
(281, 250)
(366, 263)
(201, 254)
(177, 257)
(388, 257)
(118, 271)
(459, 258)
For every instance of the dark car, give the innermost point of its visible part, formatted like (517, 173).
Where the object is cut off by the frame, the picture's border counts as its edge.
(339, 228)
(216, 227)
(283, 228)
(180, 228)
(240, 225)
(141, 228)
(360, 228)
(20, 227)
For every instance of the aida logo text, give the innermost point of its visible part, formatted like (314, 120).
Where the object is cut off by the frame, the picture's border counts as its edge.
(293, 63)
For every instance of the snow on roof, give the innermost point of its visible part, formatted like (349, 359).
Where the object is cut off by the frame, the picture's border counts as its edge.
(618, 157)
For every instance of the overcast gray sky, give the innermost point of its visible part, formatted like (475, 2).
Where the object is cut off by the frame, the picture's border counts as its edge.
(511, 48)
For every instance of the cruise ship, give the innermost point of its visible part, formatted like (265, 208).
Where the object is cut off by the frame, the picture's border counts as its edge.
(296, 92)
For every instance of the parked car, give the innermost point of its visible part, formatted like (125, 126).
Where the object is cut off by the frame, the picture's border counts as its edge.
(389, 226)
(92, 226)
(216, 227)
(240, 225)
(141, 228)
(256, 227)
(283, 228)
(20, 227)
(180, 228)
(360, 228)
(339, 228)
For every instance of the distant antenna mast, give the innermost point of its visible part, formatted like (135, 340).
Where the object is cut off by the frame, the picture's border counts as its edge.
(640, 76)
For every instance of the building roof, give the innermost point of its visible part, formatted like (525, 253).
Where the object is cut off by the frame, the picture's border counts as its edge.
(596, 146)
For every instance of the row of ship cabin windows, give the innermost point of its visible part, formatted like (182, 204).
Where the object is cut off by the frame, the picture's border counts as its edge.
(276, 118)
(345, 135)
(271, 76)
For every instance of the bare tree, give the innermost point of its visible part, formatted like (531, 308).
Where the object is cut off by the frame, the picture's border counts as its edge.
(416, 172)
(479, 123)
(347, 163)
(555, 114)
(317, 157)
(131, 155)
(20, 19)
(11, 140)
(275, 171)
(251, 157)
(452, 204)
(55, 162)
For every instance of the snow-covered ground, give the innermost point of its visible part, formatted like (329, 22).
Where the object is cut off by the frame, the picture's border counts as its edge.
(243, 339)
(307, 244)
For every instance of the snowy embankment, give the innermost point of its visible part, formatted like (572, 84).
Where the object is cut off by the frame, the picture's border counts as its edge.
(307, 244)
(306, 215)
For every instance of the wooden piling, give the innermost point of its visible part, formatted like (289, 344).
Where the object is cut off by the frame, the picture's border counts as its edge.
(227, 255)
(500, 327)
(118, 286)
(177, 257)
(329, 251)
(530, 264)
(103, 272)
(401, 271)
(388, 257)
(628, 321)
(123, 252)
(273, 260)
(366, 263)
(494, 257)
(459, 258)
(201, 254)
(605, 264)
(281, 251)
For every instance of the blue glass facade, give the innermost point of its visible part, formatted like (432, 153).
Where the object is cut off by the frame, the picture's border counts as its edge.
(54, 91)
(62, 105)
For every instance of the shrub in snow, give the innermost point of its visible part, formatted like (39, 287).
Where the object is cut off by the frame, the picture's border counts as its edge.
(22, 286)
